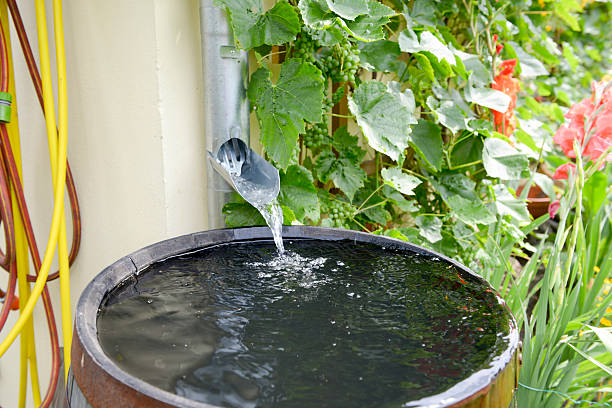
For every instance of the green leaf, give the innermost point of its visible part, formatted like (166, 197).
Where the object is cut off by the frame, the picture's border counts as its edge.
(604, 335)
(451, 116)
(458, 192)
(424, 12)
(348, 9)
(242, 215)
(502, 160)
(282, 108)
(322, 21)
(298, 192)
(431, 43)
(530, 67)
(570, 56)
(426, 140)
(595, 192)
(426, 66)
(546, 184)
(345, 174)
(488, 97)
(467, 151)
(252, 27)
(384, 115)
(478, 73)
(366, 26)
(380, 56)
(399, 180)
(347, 145)
(429, 227)
(408, 41)
(398, 199)
(509, 205)
(369, 27)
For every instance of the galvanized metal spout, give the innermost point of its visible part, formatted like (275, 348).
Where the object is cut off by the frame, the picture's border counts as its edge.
(226, 107)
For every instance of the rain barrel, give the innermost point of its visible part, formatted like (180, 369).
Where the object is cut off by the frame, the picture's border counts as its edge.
(99, 378)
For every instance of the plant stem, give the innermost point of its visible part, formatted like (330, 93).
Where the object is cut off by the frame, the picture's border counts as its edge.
(367, 199)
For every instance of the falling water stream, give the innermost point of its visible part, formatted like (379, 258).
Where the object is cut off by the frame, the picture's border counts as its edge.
(264, 200)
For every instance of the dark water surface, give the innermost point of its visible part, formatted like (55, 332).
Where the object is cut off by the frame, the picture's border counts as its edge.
(328, 324)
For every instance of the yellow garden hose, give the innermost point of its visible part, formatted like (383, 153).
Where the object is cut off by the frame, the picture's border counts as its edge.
(57, 151)
(60, 171)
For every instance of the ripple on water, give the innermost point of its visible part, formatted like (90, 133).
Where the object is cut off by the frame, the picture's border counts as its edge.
(324, 323)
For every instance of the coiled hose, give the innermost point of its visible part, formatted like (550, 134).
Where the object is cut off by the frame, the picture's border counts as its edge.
(17, 226)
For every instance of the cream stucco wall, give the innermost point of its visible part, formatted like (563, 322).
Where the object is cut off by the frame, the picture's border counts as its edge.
(135, 139)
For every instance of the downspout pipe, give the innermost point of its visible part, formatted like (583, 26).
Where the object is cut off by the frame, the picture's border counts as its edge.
(226, 107)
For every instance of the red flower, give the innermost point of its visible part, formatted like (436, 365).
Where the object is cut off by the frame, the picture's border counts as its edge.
(506, 122)
(562, 171)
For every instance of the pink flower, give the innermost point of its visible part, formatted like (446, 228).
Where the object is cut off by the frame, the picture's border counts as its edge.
(600, 131)
(562, 171)
(553, 208)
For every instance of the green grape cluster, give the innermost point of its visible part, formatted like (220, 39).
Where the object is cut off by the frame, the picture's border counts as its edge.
(304, 47)
(338, 212)
(316, 135)
(343, 63)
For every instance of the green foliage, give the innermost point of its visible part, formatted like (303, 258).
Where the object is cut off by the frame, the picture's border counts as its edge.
(382, 119)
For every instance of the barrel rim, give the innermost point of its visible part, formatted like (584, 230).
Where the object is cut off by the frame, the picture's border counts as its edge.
(88, 349)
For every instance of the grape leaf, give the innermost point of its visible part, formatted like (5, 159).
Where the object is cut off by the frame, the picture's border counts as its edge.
(369, 26)
(346, 174)
(487, 97)
(252, 27)
(347, 145)
(429, 227)
(431, 43)
(348, 9)
(399, 180)
(426, 140)
(398, 199)
(502, 160)
(384, 115)
(282, 108)
(380, 56)
(409, 42)
(509, 205)
(366, 23)
(457, 190)
(451, 116)
(528, 66)
(298, 192)
(242, 214)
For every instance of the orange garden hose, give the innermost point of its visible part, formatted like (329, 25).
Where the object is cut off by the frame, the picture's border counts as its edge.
(12, 199)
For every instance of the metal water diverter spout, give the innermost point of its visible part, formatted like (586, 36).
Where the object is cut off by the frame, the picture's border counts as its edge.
(256, 180)
(226, 107)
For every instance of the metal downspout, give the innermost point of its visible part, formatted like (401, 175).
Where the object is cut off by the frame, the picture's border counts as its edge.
(226, 107)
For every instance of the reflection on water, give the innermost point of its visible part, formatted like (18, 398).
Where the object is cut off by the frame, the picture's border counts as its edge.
(326, 324)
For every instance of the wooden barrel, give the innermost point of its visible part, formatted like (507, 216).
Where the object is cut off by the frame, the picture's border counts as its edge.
(96, 381)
